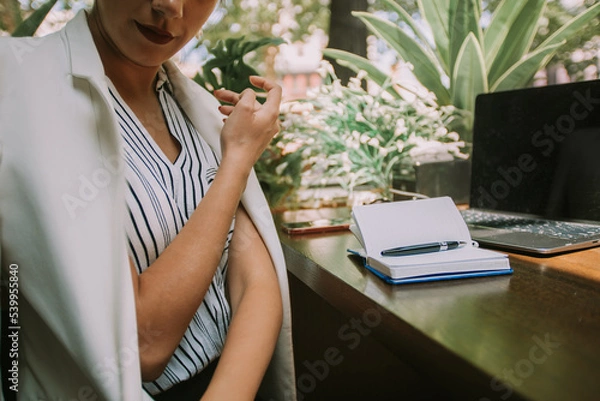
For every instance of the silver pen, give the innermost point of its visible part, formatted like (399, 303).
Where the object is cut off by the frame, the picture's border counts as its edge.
(423, 248)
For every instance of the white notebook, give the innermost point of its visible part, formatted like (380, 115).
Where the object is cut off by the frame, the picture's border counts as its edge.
(426, 224)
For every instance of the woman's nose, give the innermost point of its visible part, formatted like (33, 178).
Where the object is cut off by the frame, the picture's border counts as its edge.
(168, 8)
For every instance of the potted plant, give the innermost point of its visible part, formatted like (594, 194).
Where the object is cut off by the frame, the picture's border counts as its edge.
(464, 58)
(347, 136)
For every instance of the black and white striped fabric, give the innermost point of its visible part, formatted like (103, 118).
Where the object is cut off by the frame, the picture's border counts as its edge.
(161, 198)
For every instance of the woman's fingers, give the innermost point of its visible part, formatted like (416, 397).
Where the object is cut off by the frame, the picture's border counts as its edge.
(251, 113)
(273, 90)
(226, 110)
(227, 96)
(248, 99)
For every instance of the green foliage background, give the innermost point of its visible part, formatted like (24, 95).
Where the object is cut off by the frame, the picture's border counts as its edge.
(459, 52)
(241, 18)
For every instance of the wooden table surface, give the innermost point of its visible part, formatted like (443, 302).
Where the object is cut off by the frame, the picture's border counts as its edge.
(534, 334)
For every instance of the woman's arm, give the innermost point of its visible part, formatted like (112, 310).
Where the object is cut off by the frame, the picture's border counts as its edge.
(257, 315)
(169, 291)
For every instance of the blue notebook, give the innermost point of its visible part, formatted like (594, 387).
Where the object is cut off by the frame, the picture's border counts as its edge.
(429, 225)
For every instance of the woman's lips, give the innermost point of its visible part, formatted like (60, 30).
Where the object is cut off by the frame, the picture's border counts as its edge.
(154, 34)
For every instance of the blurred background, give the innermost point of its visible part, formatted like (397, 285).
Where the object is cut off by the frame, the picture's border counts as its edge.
(309, 26)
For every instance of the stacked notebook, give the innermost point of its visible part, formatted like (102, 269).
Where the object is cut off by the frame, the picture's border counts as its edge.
(421, 240)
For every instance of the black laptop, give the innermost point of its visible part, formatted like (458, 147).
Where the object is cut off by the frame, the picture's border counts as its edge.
(535, 178)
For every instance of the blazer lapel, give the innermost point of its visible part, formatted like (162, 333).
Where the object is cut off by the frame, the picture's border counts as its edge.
(87, 65)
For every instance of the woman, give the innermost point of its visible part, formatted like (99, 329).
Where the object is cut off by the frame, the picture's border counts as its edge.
(206, 269)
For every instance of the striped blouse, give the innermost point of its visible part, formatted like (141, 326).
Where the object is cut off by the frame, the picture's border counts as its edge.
(161, 198)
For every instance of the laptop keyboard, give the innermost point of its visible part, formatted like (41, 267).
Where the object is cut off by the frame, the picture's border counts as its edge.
(552, 228)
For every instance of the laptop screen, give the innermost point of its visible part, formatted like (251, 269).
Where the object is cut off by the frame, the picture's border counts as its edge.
(537, 151)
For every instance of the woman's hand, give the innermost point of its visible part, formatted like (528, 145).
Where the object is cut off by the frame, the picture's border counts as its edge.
(249, 126)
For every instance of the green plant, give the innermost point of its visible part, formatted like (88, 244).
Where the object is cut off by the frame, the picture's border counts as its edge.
(279, 169)
(344, 135)
(464, 58)
(32, 23)
(227, 68)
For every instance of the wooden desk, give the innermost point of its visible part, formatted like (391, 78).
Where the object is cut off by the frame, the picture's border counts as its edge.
(532, 335)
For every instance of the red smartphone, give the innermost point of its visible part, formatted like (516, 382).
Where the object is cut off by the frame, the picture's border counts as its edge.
(316, 226)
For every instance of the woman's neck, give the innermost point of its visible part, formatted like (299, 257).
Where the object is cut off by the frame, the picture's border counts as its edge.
(133, 81)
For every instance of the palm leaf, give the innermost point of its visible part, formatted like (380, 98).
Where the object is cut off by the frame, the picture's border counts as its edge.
(518, 40)
(469, 74)
(33, 22)
(435, 12)
(464, 20)
(405, 16)
(426, 68)
(357, 64)
(499, 27)
(255, 44)
(569, 29)
(520, 74)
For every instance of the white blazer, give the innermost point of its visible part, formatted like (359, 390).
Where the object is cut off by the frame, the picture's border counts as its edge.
(61, 221)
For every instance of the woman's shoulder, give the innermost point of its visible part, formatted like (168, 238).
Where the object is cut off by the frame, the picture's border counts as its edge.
(39, 52)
